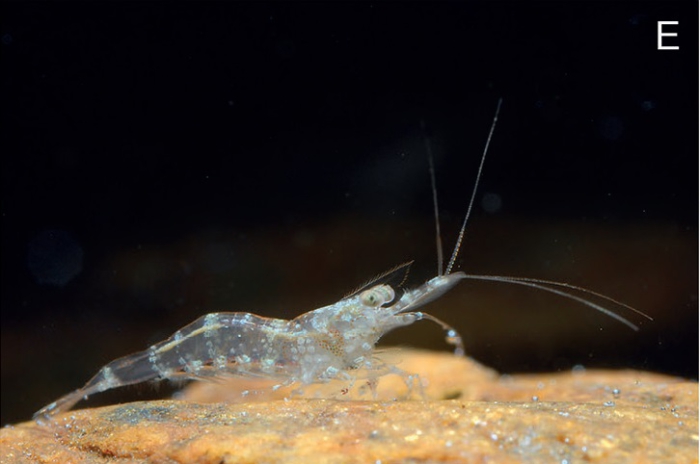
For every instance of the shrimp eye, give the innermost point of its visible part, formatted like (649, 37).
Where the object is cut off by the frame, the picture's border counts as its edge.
(377, 296)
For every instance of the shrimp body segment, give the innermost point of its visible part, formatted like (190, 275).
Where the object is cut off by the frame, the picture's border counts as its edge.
(317, 346)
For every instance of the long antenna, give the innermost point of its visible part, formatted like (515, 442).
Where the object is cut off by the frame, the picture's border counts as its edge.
(455, 252)
(548, 286)
(431, 166)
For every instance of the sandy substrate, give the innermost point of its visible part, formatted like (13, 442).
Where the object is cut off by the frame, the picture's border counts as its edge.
(468, 413)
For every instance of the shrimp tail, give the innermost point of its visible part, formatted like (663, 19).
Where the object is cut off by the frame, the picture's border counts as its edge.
(127, 370)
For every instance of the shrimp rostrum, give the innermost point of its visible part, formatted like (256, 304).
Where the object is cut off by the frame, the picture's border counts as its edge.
(318, 346)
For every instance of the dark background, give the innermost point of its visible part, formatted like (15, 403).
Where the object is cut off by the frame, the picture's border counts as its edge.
(163, 161)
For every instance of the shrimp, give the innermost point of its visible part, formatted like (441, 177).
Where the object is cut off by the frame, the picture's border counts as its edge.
(335, 342)
(317, 346)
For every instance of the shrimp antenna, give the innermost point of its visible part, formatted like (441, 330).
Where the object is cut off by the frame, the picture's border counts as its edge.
(550, 286)
(460, 237)
(433, 184)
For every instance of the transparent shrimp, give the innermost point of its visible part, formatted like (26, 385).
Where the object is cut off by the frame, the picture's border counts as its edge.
(335, 342)
(317, 346)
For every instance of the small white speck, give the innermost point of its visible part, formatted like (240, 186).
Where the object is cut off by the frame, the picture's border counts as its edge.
(110, 377)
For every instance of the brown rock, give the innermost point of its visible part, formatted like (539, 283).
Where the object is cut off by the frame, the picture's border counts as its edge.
(593, 416)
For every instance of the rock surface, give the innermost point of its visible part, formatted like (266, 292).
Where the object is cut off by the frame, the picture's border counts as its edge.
(468, 413)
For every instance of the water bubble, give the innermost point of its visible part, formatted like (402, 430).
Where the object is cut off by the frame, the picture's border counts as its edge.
(491, 202)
